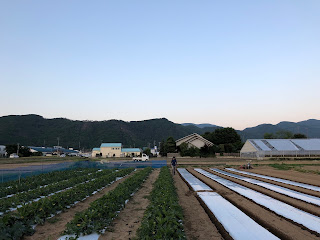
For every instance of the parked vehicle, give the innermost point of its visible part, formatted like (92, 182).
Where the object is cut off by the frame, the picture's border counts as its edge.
(13, 155)
(143, 158)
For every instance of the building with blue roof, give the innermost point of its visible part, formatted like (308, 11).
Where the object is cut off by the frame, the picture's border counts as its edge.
(114, 150)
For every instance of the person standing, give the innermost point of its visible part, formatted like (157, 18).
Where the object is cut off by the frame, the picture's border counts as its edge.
(174, 165)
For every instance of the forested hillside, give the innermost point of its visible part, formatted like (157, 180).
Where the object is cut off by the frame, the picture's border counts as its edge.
(38, 131)
(34, 130)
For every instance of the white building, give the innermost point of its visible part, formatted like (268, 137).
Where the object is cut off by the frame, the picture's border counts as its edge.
(261, 148)
(115, 150)
(194, 140)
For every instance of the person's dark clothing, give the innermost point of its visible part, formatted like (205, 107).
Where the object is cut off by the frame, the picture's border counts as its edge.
(174, 162)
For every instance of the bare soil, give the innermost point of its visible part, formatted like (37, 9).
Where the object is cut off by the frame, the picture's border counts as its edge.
(53, 228)
(129, 219)
(197, 224)
(276, 224)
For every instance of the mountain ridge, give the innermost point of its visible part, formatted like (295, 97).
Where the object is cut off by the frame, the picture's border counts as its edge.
(33, 129)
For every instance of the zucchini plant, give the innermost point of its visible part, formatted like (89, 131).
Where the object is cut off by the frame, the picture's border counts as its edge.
(26, 184)
(37, 212)
(102, 211)
(25, 197)
(163, 218)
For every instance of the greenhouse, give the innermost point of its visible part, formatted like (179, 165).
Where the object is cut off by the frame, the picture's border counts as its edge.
(264, 148)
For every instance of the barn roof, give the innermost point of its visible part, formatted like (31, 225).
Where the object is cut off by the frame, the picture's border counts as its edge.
(286, 144)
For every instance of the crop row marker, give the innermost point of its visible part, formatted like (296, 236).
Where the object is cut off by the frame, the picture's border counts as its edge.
(236, 223)
(282, 190)
(289, 182)
(308, 220)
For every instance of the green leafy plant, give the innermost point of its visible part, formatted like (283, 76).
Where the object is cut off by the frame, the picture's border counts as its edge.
(102, 211)
(163, 218)
(37, 212)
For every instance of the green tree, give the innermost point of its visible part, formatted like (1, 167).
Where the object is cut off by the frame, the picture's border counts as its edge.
(162, 150)
(299, 135)
(268, 136)
(170, 145)
(147, 151)
(11, 148)
(193, 152)
(23, 151)
(183, 149)
(227, 139)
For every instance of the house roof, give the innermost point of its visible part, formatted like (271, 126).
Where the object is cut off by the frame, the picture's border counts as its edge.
(130, 150)
(194, 136)
(51, 150)
(110, 145)
(96, 149)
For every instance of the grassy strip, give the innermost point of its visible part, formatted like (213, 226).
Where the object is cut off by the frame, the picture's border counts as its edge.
(33, 182)
(15, 225)
(163, 217)
(25, 197)
(102, 211)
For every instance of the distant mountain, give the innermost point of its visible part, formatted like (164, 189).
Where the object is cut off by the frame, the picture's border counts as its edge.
(310, 128)
(202, 125)
(34, 130)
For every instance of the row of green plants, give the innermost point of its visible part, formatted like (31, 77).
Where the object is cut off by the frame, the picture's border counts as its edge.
(16, 224)
(33, 182)
(163, 218)
(25, 197)
(102, 211)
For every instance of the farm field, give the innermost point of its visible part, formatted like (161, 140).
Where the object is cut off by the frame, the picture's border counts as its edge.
(201, 202)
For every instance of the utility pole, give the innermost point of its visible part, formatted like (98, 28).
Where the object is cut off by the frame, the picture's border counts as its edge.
(58, 140)
(18, 148)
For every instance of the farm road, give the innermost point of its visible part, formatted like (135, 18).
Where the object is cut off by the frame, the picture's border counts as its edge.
(53, 230)
(129, 219)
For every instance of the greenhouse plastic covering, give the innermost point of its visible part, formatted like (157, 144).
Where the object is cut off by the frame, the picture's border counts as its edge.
(303, 185)
(308, 220)
(291, 193)
(194, 182)
(235, 222)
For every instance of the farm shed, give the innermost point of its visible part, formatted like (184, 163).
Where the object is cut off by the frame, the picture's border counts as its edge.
(261, 148)
(194, 140)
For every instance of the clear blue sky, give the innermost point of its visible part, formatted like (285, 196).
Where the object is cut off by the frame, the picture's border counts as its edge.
(230, 63)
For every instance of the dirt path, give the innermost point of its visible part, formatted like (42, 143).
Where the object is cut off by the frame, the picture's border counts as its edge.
(127, 223)
(315, 210)
(52, 228)
(279, 226)
(197, 224)
(299, 189)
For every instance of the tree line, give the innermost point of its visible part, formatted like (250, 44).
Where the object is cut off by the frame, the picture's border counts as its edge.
(225, 140)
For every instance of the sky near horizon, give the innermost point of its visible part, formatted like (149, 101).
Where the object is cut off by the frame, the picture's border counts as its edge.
(229, 63)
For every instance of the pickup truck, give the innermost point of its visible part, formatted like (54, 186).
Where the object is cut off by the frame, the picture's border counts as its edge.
(144, 158)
